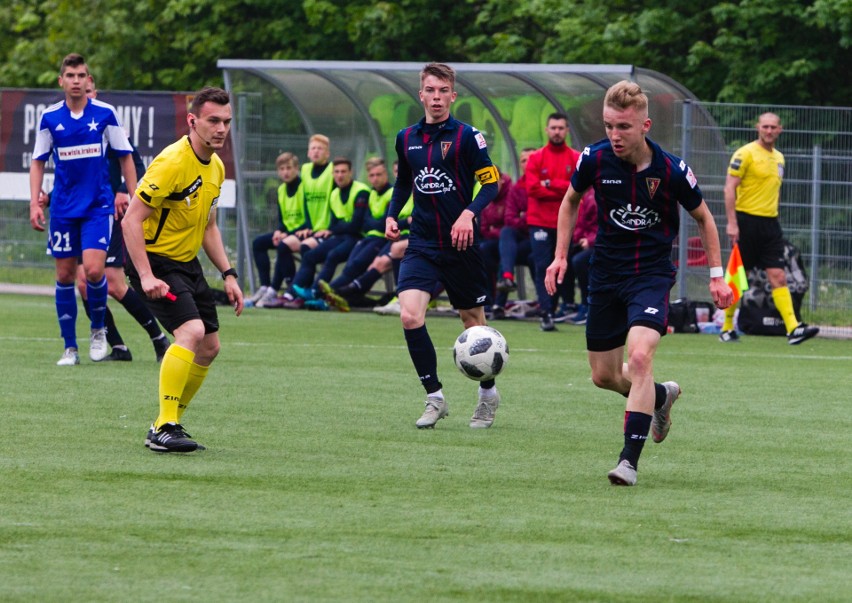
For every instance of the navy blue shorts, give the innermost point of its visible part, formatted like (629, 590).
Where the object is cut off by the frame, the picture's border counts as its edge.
(187, 283)
(116, 254)
(618, 303)
(462, 273)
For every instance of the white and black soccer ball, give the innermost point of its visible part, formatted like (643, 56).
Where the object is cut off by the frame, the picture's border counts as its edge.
(480, 353)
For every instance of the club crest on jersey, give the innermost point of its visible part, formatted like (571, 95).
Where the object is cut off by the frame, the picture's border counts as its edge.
(634, 218)
(445, 148)
(432, 181)
(653, 185)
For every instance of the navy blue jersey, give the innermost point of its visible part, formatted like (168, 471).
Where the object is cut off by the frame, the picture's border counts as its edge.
(637, 211)
(439, 164)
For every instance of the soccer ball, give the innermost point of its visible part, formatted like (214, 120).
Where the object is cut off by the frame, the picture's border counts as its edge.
(480, 353)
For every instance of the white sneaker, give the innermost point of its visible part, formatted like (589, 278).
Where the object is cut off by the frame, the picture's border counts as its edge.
(623, 475)
(269, 296)
(662, 420)
(261, 291)
(436, 409)
(70, 357)
(392, 307)
(98, 348)
(483, 416)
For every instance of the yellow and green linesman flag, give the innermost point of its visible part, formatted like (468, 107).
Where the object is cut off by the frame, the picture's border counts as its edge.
(735, 275)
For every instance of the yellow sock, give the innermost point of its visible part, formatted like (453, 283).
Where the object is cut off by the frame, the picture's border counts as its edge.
(174, 372)
(197, 373)
(728, 325)
(784, 304)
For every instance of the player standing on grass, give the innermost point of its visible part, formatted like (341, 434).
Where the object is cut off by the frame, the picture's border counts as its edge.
(638, 187)
(76, 133)
(439, 160)
(171, 216)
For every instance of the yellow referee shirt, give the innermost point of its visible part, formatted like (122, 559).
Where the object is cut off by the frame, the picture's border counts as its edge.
(182, 190)
(760, 172)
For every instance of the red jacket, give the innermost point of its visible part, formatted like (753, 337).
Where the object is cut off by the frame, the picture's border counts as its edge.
(491, 218)
(553, 163)
(587, 219)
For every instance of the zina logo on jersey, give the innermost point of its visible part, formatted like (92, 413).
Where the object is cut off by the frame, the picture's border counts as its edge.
(634, 218)
(431, 181)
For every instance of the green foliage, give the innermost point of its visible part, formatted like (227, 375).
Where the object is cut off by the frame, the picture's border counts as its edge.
(316, 486)
(736, 50)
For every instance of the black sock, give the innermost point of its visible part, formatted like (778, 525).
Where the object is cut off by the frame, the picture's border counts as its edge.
(636, 428)
(659, 395)
(135, 305)
(422, 353)
(112, 335)
(487, 384)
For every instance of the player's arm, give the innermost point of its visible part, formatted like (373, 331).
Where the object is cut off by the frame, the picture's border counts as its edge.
(719, 289)
(401, 192)
(732, 229)
(215, 250)
(128, 172)
(133, 229)
(36, 208)
(565, 223)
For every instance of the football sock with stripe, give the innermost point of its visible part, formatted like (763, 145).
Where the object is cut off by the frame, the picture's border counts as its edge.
(66, 311)
(113, 336)
(136, 307)
(422, 353)
(96, 293)
(174, 374)
(636, 428)
(197, 374)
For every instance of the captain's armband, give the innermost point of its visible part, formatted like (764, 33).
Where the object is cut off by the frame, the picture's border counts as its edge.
(487, 175)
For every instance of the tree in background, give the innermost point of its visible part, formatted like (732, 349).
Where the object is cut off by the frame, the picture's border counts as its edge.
(791, 52)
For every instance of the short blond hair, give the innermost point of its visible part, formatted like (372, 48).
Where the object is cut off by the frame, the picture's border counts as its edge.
(286, 158)
(625, 95)
(320, 138)
(374, 162)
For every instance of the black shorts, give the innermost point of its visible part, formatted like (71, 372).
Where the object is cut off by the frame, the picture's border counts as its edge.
(618, 303)
(761, 241)
(187, 283)
(462, 273)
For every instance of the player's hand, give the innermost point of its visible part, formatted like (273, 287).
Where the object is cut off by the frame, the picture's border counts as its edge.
(462, 231)
(153, 287)
(37, 217)
(122, 201)
(235, 295)
(721, 293)
(733, 232)
(555, 274)
(391, 229)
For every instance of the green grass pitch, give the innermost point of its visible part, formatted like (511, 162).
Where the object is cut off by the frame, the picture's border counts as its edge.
(316, 486)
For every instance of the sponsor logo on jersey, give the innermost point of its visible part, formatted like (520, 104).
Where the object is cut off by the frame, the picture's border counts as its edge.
(432, 181)
(487, 175)
(634, 217)
(690, 177)
(480, 140)
(83, 151)
(653, 185)
(736, 163)
(610, 181)
(780, 170)
(445, 148)
(415, 147)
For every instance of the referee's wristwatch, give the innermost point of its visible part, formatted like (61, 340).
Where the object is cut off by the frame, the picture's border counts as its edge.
(230, 272)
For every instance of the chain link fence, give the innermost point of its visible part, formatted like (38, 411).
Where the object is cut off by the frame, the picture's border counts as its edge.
(816, 196)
